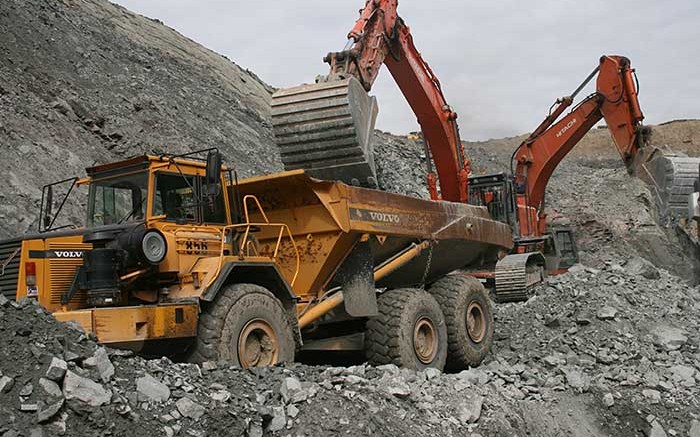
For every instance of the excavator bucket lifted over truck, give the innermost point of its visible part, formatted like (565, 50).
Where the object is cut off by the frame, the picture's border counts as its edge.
(327, 127)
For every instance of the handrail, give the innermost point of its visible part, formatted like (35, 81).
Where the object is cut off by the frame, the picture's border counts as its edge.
(245, 244)
(257, 203)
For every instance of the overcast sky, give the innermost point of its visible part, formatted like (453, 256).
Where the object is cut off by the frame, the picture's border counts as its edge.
(501, 63)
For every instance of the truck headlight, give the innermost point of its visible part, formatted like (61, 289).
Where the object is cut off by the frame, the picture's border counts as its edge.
(154, 247)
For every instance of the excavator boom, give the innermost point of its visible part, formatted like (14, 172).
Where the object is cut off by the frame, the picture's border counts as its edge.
(326, 127)
(536, 159)
(616, 101)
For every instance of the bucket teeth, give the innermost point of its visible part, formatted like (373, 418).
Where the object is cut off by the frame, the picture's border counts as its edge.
(326, 129)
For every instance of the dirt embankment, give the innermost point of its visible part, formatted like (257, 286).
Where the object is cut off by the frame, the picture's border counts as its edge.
(84, 82)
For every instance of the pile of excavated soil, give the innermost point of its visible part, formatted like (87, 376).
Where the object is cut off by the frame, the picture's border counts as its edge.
(625, 332)
(596, 352)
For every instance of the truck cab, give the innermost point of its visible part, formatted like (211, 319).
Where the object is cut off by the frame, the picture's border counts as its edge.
(158, 231)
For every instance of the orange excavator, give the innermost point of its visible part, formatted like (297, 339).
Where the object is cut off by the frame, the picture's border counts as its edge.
(520, 199)
(326, 128)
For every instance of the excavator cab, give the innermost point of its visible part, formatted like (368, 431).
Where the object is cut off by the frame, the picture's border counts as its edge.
(495, 192)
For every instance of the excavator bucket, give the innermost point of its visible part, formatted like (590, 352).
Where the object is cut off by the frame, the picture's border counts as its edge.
(671, 178)
(326, 128)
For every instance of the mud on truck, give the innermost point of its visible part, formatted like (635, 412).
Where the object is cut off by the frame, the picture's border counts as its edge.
(178, 257)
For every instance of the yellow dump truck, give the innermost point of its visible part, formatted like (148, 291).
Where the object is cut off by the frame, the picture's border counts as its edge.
(178, 256)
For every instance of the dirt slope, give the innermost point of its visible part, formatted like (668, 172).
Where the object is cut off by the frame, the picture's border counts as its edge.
(85, 81)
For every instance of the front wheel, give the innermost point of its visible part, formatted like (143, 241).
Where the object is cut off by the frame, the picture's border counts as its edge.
(409, 331)
(247, 326)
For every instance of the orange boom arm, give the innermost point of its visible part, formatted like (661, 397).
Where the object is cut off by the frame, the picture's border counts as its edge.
(538, 156)
(379, 37)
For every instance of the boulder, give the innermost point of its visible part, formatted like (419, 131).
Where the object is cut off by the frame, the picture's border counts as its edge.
(152, 389)
(83, 394)
(474, 376)
(6, 384)
(638, 266)
(278, 421)
(101, 362)
(606, 313)
(50, 388)
(577, 379)
(57, 369)
(608, 400)
(470, 409)
(46, 411)
(668, 337)
(657, 430)
(292, 391)
(189, 408)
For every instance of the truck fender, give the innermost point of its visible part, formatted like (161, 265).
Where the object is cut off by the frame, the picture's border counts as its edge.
(265, 275)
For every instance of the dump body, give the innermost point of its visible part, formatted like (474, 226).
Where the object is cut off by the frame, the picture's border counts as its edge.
(329, 219)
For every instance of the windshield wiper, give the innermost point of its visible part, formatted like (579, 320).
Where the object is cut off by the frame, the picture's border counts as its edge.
(132, 212)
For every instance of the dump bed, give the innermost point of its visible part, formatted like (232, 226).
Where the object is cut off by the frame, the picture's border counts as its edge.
(328, 219)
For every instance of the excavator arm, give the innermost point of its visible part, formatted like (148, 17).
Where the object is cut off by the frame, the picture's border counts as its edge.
(615, 100)
(326, 127)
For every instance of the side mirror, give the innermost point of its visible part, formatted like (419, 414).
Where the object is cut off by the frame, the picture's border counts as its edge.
(213, 176)
(212, 179)
(46, 218)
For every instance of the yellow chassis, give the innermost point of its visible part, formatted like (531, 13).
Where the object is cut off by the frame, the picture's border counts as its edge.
(131, 326)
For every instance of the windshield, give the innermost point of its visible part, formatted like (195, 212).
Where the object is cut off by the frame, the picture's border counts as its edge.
(118, 199)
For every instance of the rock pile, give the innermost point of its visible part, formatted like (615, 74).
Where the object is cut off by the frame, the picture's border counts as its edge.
(617, 348)
(629, 340)
(57, 381)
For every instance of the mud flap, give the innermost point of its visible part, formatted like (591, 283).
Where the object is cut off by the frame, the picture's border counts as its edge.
(327, 129)
(356, 276)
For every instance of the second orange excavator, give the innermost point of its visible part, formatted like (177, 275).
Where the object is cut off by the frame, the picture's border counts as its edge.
(520, 199)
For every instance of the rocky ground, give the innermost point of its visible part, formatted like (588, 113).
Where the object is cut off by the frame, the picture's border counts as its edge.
(605, 350)
(609, 349)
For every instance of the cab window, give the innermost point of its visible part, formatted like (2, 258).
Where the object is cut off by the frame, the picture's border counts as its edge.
(118, 199)
(175, 197)
(178, 198)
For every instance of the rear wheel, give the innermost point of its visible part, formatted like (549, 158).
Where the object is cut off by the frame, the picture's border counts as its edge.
(409, 331)
(246, 326)
(468, 317)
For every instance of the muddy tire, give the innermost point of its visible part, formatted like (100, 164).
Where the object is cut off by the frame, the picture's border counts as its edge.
(247, 326)
(469, 320)
(409, 331)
